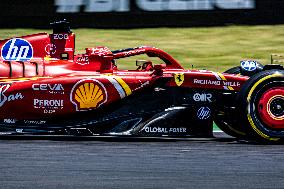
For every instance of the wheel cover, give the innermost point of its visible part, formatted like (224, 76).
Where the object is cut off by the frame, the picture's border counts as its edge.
(253, 115)
(271, 108)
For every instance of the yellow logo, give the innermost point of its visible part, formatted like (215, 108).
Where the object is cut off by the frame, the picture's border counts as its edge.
(179, 78)
(88, 94)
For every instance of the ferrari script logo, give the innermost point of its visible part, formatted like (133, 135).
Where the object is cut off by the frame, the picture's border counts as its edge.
(179, 78)
(88, 94)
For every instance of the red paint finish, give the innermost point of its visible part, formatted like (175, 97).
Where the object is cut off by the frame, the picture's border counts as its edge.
(208, 80)
(56, 82)
(61, 43)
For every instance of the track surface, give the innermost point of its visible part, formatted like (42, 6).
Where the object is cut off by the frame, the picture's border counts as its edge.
(171, 164)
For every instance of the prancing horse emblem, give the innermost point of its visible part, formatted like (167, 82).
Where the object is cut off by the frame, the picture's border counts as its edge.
(179, 78)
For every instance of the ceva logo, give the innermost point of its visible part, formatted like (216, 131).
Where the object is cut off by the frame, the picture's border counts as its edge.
(17, 50)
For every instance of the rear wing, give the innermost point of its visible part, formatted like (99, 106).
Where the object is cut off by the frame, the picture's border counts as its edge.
(277, 59)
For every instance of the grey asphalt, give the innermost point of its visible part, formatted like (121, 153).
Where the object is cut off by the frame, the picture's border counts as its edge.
(224, 163)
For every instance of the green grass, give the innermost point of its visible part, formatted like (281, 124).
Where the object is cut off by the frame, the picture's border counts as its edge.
(215, 127)
(215, 48)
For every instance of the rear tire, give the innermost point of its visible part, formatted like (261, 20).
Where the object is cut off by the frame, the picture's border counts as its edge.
(261, 109)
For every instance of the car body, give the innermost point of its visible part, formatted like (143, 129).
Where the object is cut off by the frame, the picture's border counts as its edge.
(47, 89)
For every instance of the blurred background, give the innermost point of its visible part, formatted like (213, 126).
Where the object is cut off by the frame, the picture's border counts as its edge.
(203, 34)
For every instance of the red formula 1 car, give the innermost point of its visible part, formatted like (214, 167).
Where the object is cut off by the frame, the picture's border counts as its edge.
(46, 89)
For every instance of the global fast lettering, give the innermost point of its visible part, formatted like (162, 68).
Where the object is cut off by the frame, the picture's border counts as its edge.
(164, 130)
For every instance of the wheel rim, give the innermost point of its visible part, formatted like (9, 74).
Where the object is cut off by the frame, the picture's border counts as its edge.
(271, 107)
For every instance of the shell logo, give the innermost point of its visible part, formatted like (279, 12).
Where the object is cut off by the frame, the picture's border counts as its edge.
(88, 94)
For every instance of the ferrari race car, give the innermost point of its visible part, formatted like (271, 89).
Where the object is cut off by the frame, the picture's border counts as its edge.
(47, 89)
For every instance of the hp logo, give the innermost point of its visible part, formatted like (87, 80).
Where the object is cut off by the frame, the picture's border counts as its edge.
(17, 50)
(203, 113)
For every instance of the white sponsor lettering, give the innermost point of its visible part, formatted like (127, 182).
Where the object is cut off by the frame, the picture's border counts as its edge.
(216, 82)
(19, 130)
(177, 130)
(9, 121)
(164, 130)
(60, 36)
(51, 88)
(49, 106)
(64, 6)
(202, 97)
(36, 122)
(181, 5)
(231, 83)
(3, 97)
(142, 85)
(23, 52)
(107, 6)
(48, 103)
(49, 111)
(69, 49)
(73, 6)
(100, 51)
(134, 52)
(206, 82)
(17, 96)
(50, 49)
(11, 97)
(83, 60)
